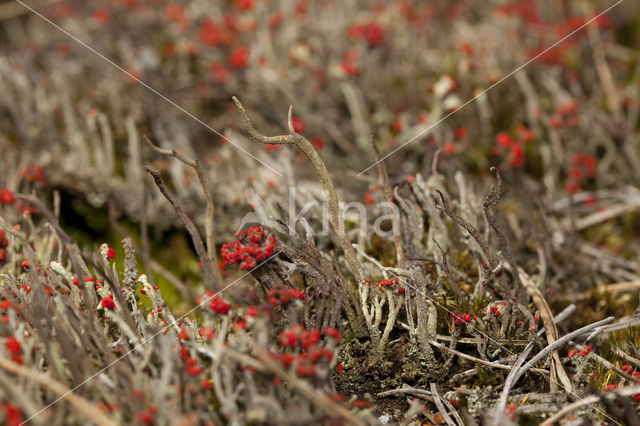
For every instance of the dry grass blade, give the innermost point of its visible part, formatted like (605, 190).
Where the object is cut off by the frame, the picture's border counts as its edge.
(89, 410)
(551, 330)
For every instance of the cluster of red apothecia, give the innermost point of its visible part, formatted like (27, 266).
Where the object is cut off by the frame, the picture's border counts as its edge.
(284, 296)
(495, 310)
(462, 318)
(252, 246)
(3, 246)
(216, 303)
(309, 351)
(386, 284)
(583, 167)
(514, 146)
(302, 347)
(583, 353)
(565, 116)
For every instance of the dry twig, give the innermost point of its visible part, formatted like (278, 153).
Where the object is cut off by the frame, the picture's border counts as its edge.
(191, 227)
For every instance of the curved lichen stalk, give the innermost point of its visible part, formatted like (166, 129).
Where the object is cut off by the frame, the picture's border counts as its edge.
(303, 144)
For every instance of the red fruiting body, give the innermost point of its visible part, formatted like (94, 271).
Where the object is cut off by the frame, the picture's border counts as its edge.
(309, 338)
(461, 132)
(239, 57)
(386, 283)
(147, 417)
(306, 369)
(209, 33)
(13, 416)
(524, 133)
(287, 338)
(361, 403)
(298, 124)
(460, 319)
(284, 296)
(371, 32)
(244, 4)
(332, 332)
(219, 306)
(317, 142)
(583, 167)
(108, 303)
(13, 345)
(252, 246)
(349, 67)
(194, 370)
(495, 310)
(516, 158)
(240, 325)
(33, 174)
(101, 16)
(111, 253)
(206, 332)
(449, 148)
(565, 116)
(316, 355)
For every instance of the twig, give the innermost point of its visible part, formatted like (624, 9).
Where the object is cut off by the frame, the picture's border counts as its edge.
(407, 391)
(605, 363)
(144, 230)
(207, 189)
(621, 324)
(624, 355)
(601, 216)
(82, 405)
(561, 341)
(551, 330)
(191, 227)
(303, 144)
(537, 409)
(614, 288)
(626, 391)
(153, 264)
(484, 244)
(444, 265)
(388, 195)
(479, 360)
(437, 400)
(473, 341)
(602, 67)
(510, 381)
